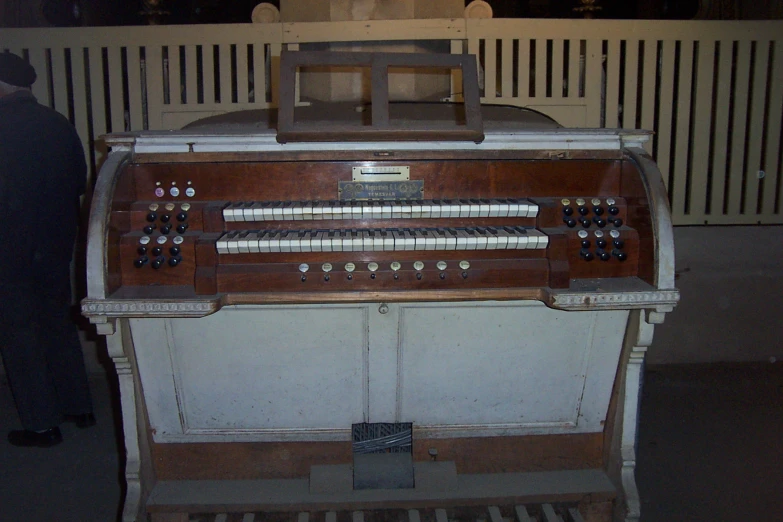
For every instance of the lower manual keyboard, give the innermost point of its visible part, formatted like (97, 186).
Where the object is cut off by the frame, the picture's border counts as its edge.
(382, 240)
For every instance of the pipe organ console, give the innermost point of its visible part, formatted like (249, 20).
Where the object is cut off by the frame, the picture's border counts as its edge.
(262, 300)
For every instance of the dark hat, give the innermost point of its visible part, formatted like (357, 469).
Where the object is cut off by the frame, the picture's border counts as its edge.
(15, 71)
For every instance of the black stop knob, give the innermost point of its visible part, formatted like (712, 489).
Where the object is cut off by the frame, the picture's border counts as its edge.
(140, 262)
(165, 218)
(165, 229)
(418, 276)
(464, 275)
(618, 222)
(585, 243)
(600, 243)
(618, 243)
(372, 276)
(584, 210)
(601, 222)
(182, 227)
(149, 228)
(142, 250)
(182, 216)
(604, 255)
(157, 251)
(588, 256)
(585, 222)
(304, 278)
(443, 275)
(568, 211)
(598, 211)
(159, 261)
(175, 250)
(614, 210)
(152, 216)
(174, 261)
(350, 277)
(620, 255)
(570, 222)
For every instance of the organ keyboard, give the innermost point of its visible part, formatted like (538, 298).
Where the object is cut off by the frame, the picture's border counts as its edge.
(261, 298)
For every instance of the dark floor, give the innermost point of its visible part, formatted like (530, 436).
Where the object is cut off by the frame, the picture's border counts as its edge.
(710, 448)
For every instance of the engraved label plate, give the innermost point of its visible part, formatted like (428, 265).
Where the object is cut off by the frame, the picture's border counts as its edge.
(385, 173)
(349, 190)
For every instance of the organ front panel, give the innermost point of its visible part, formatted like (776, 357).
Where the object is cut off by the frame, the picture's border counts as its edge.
(493, 228)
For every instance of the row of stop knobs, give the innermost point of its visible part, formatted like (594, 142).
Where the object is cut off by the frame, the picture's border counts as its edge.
(158, 259)
(601, 253)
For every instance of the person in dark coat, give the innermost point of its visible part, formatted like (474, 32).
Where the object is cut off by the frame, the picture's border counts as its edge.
(42, 175)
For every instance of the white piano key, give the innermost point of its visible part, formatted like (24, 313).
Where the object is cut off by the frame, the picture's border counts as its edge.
(462, 240)
(426, 210)
(318, 210)
(430, 241)
(326, 241)
(233, 248)
(277, 211)
(366, 210)
(416, 210)
(484, 209)
(502, 238)
(475, 209)
(523, 242)
(274, 242)
(285, 242)
(267, 214)
(336, 242)
(327, 211)
(297, 211)
(472, 240)
(222, 245)
(548, 514)
(256, 212)
(410, 240)
(288, 211)
(357, 243)
(386, 211)
(492, 240)
(398, 240)
(356, 212)
(367, 241)
(252, 242)
(522, 514)
(242, 247)
(307, 211)
(440, 240)
(436, 210)
(494, 514)
(452, 239)
(377, 243)
(406, 211)
(494, 209)
(465, 210)
(532, 209)
(420, 240)
(513, 209)
(345, 211)
(304, 243)
(483, 240)
(377, 211)
(396, 210)
(503, 209)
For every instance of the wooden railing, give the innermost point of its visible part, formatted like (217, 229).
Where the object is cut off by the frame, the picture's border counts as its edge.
(710, 90)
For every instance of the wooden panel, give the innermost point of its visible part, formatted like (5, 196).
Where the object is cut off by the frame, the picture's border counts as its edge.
(741, 98)
(226, 74)
(702, 124)
(191, 75)
(207, 75)
(574, 67)
(773, 188)
(557, 67)
(682, 129)
(612, 117)
(631, 79)
(649, 88)
(135, 89)
(541, 68)
(721, 125)
(246, 461)
(666, 108)
(242, 73)
(523, 73)
(490, 68)
(507, 66)
(37, 57)
(755, 140)
(116, 89)
(60, 81)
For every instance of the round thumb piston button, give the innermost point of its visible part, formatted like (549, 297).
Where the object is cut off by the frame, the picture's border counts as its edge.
(304, 267)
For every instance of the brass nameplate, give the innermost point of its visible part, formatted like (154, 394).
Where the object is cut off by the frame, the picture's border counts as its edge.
(365, 190)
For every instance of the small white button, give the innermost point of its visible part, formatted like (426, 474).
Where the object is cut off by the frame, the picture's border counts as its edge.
(185, 206)
(162, 240)
(178, 240)
(170, 206)
(154, 207)
(610, 201)
(326, 267)
(190, 192)
(583, 234)
(580, 202)
(599, 233)
(350, 267)
(372, 266)
(464, 264)
(395, 265)
(144, 240)
(418, 265)
(304, 267)
(565, 202)
(614, 233)
(174, 191)
(441, 265)
(596, 201)
(159, 192)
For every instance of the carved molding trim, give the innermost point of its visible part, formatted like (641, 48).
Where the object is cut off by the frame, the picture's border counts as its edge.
(93, 308)
(614, 300)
